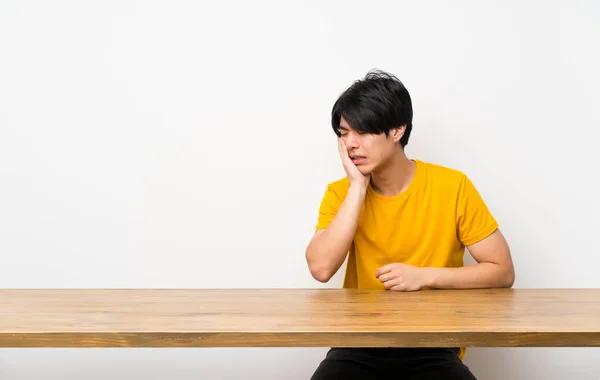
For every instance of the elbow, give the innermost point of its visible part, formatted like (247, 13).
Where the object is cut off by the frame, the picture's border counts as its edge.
(319, 269)
(322, 276)
(320, 273)
(508, 280)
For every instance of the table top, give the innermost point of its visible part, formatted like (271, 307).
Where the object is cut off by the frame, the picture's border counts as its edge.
(299, 318)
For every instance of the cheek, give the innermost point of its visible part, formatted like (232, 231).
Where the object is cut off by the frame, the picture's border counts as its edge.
(374, 150)
(369, 146)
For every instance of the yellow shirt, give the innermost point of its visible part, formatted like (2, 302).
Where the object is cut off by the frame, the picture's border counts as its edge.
(428, 224)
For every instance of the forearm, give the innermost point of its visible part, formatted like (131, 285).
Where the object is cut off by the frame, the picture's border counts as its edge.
(326, 253)
(481, 275)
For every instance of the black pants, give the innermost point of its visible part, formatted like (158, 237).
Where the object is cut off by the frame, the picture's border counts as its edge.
(392, 363)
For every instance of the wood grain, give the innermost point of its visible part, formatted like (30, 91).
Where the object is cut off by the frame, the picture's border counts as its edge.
(299, 318)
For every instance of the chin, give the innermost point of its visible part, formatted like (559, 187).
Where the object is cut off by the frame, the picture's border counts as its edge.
(365, 169)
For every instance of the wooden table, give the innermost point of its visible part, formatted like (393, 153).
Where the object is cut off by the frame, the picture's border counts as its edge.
(299, 318)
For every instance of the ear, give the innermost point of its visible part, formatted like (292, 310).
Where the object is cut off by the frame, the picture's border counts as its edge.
(397, 133)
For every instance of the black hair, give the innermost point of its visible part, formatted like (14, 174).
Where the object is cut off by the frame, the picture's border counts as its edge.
(375, 104)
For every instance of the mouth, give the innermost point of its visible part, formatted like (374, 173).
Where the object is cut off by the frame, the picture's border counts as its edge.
(356, 159)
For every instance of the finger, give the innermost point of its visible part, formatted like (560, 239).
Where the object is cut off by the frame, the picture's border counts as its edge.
(391, 284)
(384, 269)
(343, 150)
(341, 145)
(398, 287)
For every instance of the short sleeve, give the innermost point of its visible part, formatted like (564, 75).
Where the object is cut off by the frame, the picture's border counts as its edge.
(330, 204)
(474, 220)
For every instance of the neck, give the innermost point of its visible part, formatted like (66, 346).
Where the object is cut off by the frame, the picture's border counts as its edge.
(394, 176)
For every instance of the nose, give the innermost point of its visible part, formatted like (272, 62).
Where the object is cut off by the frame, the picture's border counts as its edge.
(351, 140)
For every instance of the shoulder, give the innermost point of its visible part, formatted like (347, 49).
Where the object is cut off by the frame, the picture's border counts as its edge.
(339, 187)
(335, 194)
(450, 182)
(443, 176)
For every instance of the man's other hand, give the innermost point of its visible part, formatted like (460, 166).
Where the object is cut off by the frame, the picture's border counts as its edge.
(401, 277)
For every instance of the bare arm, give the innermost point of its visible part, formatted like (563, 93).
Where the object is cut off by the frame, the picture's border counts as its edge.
(494, 268)
(329, 247)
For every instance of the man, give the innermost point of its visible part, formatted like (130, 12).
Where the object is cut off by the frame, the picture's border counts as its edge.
(404, 225)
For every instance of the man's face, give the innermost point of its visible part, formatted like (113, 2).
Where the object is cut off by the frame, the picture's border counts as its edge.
(368, 151)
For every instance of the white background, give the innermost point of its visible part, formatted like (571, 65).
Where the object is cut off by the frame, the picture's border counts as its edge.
(184, 144)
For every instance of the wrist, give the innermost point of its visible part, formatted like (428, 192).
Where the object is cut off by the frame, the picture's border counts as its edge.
(357, 189)
(429, 277)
